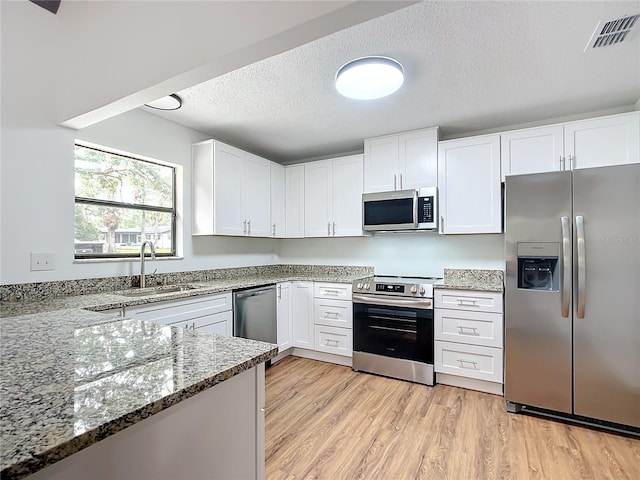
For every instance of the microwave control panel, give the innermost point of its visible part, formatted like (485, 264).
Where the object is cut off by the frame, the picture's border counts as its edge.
(425, 210)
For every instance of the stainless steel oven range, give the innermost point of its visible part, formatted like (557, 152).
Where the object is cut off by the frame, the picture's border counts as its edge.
(393, 327)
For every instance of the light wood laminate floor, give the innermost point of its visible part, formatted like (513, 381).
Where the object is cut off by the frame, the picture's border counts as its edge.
(327, 422)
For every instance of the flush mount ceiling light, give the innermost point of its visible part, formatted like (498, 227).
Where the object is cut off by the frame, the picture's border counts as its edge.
(170, 102)
(369, 78)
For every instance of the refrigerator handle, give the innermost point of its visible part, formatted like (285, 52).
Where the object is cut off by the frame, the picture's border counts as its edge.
(582, 265)
(566, 266)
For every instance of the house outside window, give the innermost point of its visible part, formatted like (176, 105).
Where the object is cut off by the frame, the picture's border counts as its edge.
(121, 200)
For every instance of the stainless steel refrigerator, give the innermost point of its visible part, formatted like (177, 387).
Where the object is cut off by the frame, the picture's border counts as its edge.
(572, 298)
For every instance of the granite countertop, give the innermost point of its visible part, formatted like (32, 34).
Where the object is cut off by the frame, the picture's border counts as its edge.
(472, 279)
(71, 375)
(71, 378)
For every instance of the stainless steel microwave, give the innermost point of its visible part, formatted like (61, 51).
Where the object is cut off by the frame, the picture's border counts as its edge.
(400, 210)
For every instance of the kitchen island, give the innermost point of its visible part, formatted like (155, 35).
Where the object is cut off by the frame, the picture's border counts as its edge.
(90, 395)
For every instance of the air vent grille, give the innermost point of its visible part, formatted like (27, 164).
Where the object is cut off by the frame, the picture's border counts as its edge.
(611, 32)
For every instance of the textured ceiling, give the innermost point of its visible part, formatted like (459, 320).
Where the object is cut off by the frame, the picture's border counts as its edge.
(469, 66)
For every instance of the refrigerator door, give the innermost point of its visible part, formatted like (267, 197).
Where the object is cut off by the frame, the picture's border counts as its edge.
(537, 335)
(607, 294)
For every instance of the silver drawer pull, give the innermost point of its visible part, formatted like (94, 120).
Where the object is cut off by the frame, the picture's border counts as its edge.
(331, 314)
(468, 330)
(331, 292)
(330, 342)
(463, 363)
(469, 303)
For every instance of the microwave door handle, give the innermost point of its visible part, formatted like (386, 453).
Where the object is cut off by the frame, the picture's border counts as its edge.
(415, 208)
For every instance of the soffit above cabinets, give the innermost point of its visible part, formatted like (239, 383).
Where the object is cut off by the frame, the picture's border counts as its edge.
(469, 66)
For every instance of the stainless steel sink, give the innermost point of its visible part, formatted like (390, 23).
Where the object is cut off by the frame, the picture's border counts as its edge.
(143, 292)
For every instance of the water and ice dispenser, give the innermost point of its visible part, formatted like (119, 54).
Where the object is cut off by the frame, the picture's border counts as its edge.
(538, 267)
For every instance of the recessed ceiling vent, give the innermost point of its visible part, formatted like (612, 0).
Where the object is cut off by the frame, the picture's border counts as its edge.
(610, 32)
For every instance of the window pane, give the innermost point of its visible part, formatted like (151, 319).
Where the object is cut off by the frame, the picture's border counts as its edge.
(120, 231)
(105, 176)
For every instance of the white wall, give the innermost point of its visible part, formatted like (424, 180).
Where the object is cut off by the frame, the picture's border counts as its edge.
(420, 254)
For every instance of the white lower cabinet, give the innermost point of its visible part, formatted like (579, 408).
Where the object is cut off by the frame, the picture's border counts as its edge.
(284, 315)
(302, 315)
(335, 340)
(207, 313)
(468, 330)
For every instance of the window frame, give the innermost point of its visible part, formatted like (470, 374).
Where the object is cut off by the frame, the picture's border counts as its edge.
(110, 203)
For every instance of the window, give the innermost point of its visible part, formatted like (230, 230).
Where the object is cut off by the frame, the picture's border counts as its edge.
(120, 201)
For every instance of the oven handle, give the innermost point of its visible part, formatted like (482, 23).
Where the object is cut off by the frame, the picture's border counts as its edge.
(386, 301)
(390, 329)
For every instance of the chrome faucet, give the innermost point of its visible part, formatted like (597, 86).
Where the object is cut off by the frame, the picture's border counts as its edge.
(153, 257)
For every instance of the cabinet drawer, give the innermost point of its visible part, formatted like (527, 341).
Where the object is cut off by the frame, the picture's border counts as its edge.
(341, 291)
(334, 340)
(483, 363)
(336, 313)
(174, 311)
(477, 328)
(468, 300)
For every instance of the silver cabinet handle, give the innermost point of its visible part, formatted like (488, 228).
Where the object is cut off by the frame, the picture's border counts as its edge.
(566, 266)
(582, 265)
(328, 229)
(561, 163)
(441, 229)
(279, 292)
(400, 181)
(331, 315)
(244, 227)
(394, 182)
(468, 330)
(572, 162)
(467, 303)
(274, 229)
(464, 362)
(332, 341)
(334, 229)
(249, 227)
(331, 292)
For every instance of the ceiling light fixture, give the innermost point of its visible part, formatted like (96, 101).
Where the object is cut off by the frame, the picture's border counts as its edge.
(368, 78)
(170, 102)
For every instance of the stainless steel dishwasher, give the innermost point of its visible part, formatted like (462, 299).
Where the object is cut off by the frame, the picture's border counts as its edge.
(254, 314)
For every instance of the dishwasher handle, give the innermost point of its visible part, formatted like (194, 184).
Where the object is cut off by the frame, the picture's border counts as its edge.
(254, 292)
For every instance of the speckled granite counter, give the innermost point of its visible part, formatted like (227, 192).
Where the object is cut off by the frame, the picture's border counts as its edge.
(469, 279)
(71, 378)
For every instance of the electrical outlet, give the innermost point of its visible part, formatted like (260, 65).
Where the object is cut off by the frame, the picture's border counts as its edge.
(42, 261)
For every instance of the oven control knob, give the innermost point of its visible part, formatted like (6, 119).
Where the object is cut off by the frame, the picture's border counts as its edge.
(367, 286)
(414, 289)
(359, 286)
(421, 291)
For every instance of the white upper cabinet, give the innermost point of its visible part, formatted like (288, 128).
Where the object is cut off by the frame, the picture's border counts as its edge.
(597, 142)
(277, 200)
(600, 142)
(294, 201)
(532, 150)
(333, 197)
(400, 162)
(231, 191)
(469, 185)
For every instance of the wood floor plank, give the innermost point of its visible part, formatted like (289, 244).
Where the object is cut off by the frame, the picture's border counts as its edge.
(325, 421)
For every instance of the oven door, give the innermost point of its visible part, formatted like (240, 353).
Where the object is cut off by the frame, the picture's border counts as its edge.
(394, 327)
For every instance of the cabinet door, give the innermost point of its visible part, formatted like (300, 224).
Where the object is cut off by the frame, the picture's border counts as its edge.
(294, 201)
(283, 308)
(381, 164)
(220, 323)
(469, 184)
(347, 196)
(418, 159)
(600, 142)
(257, 196)
(532, 150)
(302, 315)
(228, 179)
(277, 200)
(317, 199)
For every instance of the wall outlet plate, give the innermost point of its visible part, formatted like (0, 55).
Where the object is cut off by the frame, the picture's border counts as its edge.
(42, 261)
